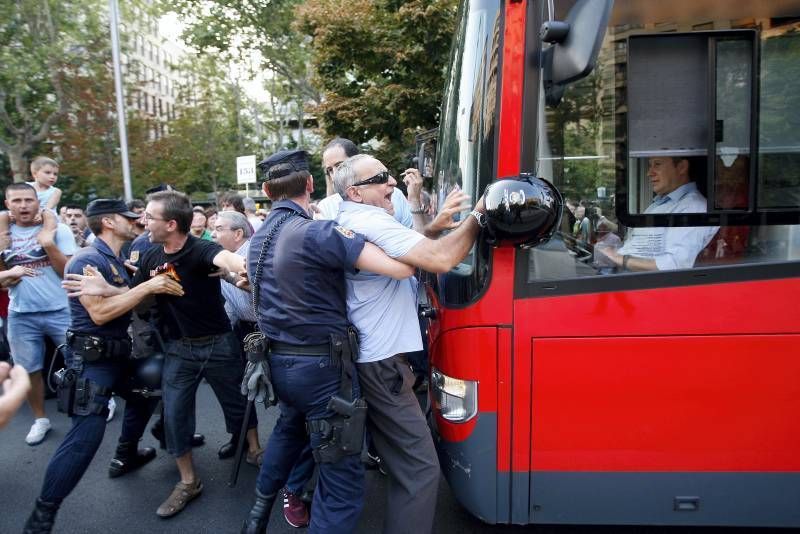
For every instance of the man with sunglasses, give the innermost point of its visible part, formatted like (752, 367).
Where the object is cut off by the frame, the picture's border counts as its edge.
(395, 420)
(333, 155)
(296, 268)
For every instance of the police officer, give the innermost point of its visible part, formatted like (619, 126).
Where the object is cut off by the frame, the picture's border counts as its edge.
(98, 358)
(296, 269)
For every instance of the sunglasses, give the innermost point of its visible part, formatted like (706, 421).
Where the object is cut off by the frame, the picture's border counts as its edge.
(380, 178)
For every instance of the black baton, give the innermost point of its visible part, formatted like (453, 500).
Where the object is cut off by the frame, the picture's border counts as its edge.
(237, 462)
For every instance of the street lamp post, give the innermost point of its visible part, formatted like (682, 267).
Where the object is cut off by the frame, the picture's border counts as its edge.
(123, 135)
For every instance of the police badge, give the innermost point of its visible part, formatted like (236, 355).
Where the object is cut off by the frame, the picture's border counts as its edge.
(349, 234)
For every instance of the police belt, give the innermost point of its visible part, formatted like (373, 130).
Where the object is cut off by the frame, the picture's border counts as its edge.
(278, 347)
(93, 348)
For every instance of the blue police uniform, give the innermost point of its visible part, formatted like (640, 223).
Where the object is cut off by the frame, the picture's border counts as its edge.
(139, 246)
(110, 373)
(302, 303)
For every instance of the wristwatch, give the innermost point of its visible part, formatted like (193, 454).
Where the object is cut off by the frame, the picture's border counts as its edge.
(480, 217)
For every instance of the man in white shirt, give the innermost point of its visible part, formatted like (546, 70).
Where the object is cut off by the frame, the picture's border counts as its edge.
(384, 311)
(333, 155)
(662, 248)
(38, 306)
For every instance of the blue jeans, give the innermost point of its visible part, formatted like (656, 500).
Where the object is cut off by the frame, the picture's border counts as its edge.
(76, 452)
(27, 332)
(302, 471)
(215, 358)
(304, 385)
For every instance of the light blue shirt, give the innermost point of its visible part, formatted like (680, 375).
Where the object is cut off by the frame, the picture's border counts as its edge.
(238, 304)
(329, 208)
(384, 310)
(675, 247)
(42, 292)
(44, 196)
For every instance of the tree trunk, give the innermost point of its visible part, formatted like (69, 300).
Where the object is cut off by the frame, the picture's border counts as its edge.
(19, 163)
(300, 125)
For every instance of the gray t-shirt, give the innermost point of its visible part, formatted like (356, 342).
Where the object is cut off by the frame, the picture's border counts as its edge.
(42, 292)
(384, 310)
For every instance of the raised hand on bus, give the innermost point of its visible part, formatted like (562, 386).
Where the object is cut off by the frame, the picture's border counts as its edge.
(456, 202)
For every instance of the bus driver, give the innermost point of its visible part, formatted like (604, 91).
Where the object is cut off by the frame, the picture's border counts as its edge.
(665, 248)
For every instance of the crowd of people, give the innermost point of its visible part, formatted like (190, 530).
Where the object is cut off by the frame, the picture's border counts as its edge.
(311, 306)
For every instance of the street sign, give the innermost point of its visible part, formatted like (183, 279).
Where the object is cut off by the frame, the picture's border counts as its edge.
(246, 170)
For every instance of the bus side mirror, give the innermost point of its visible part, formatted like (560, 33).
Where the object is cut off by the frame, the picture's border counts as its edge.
(574, 46)
(524, 211)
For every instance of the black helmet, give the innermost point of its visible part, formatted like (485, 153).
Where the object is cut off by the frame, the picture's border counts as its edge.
(147, 372)
(525, 210)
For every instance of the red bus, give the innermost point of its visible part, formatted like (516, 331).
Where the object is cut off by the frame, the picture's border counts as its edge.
(568, 388)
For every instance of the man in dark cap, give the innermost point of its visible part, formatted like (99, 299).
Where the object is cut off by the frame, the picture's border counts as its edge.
(296, 267)
(98, 348)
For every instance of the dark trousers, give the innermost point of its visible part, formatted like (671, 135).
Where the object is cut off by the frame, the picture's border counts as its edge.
(75, 453)
(419, 359)
(403, 441)
(302, 471)
(188, 361)
(304, 385)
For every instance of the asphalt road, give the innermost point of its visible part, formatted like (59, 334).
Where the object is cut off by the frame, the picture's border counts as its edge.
(127, 505)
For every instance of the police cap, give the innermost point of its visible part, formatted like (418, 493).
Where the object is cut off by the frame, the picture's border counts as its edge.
(158, 188)
(105, 206)
(283, 163)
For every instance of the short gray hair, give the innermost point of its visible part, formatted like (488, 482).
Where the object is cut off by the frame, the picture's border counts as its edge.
(237, 222)
(249, 204)
(345, 174)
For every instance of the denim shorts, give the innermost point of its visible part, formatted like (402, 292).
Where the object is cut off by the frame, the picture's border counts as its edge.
(27, 332)
(215, 358)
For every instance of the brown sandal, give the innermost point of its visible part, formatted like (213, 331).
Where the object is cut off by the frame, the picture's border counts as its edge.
(179, 498)
(256, 458)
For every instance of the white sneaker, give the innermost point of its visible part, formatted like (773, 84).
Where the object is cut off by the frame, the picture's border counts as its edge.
(112, 409)
(38, 431)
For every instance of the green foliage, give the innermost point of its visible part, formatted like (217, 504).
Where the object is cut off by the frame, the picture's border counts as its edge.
(199, 153)
(237, 29)
(44, 46)
(380, 66)
(377, 66)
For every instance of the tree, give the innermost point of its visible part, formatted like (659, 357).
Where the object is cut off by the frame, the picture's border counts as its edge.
(212, 127)
(235, 30)
(44, 46)
(380, 65)
(377, 66)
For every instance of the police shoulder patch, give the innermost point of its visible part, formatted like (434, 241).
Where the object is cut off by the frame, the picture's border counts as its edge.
(134, 256)
(349, 234)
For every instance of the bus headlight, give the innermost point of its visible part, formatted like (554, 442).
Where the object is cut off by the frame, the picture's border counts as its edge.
(456, 399)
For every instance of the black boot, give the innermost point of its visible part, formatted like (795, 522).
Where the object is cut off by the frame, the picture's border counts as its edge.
(129, 458)
(228, 450)
(42, 518)
(257, 519)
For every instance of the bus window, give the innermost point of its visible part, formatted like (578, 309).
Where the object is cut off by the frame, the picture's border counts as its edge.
(466, 141)
(779, 121)
(722, 97)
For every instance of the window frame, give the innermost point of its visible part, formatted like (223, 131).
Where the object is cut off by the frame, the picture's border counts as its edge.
(753, 215)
